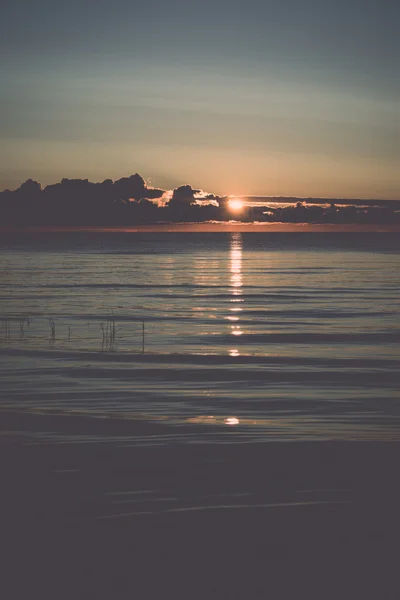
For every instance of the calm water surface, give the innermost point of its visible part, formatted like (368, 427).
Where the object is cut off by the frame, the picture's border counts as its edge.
(222, 336)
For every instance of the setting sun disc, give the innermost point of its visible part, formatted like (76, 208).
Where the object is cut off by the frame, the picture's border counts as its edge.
(236, 204)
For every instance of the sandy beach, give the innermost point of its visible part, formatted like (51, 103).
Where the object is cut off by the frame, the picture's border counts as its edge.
(103, 519)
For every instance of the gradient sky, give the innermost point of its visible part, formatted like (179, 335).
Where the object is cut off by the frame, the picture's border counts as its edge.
(296, 97)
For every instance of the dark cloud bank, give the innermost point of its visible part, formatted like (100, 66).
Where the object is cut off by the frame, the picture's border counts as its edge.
(129, 201)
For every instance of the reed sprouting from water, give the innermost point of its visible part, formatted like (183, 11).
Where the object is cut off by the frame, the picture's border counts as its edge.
(24, 321)
(112, 327)
(109, 333)
(7, 330)
(108, 328)
(52, 329)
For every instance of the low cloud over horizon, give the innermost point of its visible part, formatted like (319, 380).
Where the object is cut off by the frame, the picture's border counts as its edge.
(131, 201)
(136, 187)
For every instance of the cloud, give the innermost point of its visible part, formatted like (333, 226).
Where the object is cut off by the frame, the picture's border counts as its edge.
(135, 187)
(185, 195)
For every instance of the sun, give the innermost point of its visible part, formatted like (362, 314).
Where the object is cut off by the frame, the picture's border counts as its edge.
(236, 204)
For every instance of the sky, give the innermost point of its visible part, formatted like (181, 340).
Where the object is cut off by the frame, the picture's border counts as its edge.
(255, 97)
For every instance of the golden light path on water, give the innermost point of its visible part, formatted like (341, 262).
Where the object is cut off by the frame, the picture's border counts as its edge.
(220, 420)
(236, 287)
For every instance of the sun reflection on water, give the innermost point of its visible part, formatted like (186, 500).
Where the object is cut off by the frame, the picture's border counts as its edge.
(236, 280)
(231, 421)
(213, 420)
(236, 284)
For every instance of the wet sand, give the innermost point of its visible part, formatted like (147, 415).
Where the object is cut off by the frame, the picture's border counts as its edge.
(101, 518)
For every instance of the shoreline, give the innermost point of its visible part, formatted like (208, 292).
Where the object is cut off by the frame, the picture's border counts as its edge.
(201, 521)
(207, 521)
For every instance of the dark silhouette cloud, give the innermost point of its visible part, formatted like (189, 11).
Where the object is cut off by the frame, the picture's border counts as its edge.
(130, 201)
(136, 188)
(30, 187)
(183, 196)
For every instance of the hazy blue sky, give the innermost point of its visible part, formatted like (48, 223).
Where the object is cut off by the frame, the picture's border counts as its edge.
(296, 97)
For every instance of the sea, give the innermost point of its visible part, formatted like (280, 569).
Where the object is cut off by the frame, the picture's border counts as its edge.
(213, 336)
